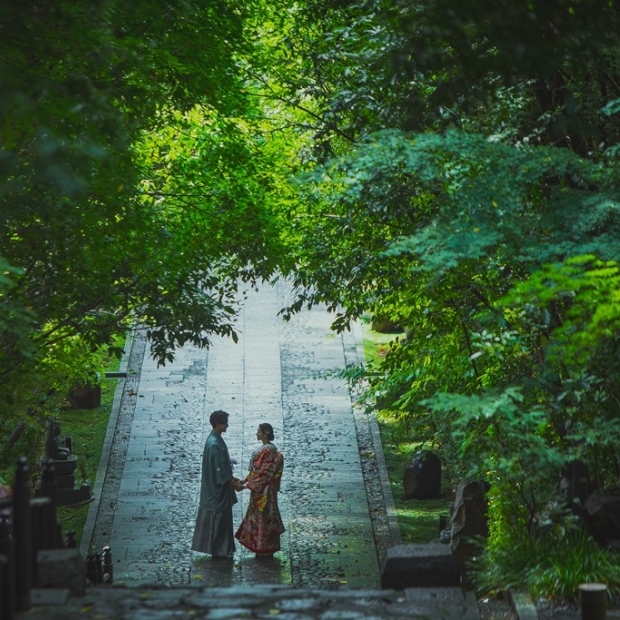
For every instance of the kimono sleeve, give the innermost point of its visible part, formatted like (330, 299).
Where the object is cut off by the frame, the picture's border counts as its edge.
(266, 471)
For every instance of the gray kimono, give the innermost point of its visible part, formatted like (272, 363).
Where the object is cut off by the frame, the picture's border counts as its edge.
(214, 527)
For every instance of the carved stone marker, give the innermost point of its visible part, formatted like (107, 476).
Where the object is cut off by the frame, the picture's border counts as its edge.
(469, 520)
(422, 477)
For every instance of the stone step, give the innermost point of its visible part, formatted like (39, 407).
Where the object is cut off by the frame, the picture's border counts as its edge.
(262, 601)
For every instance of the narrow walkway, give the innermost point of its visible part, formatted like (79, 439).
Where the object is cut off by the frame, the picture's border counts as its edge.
(278, 373)
(146, 493)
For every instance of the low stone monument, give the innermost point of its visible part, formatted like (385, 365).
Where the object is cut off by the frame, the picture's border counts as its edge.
(59, 452)
(469, 521)
(422, 477)
(601, 512)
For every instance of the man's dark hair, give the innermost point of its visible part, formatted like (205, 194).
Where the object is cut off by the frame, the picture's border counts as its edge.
(218, 417)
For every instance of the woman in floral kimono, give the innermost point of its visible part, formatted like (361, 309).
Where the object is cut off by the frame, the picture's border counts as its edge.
(262, 526)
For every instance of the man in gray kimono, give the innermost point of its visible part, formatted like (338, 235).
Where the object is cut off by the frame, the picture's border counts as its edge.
(214, 524)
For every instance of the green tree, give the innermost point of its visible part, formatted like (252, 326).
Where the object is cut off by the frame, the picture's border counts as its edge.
(103, 221)
(463, 153)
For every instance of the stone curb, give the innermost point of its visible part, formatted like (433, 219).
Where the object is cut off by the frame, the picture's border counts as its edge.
(390, 506)
(120, 396)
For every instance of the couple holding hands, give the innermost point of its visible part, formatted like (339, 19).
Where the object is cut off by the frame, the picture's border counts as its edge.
(262, 525)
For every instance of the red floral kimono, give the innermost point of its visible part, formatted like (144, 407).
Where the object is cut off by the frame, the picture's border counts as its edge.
(261, 528)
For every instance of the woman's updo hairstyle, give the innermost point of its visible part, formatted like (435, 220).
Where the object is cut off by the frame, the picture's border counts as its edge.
(267, 430)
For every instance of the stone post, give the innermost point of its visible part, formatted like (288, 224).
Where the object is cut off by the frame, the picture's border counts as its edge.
(22, 529)
(107, 567)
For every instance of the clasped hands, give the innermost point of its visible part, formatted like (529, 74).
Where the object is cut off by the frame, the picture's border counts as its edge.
(237, 484)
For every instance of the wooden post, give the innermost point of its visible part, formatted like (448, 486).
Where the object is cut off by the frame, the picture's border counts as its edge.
(7, 576)
(40, 508)
(91, 569)
(5, 605)
(593, 601)
(22, 529)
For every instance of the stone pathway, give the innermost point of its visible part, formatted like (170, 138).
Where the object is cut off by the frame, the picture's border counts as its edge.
(279, 373)
(146, 493)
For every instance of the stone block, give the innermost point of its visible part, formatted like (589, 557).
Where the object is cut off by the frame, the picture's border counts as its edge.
(68, 497)
(419, 566)
(49, 596)
(61, 568)
(444, 603)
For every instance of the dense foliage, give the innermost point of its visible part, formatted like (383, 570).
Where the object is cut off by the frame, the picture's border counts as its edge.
(110, 214)
(451, 166)
(464, 184)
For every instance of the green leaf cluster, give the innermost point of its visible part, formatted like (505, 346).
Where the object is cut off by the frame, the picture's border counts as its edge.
(130, 193)
(462, 181)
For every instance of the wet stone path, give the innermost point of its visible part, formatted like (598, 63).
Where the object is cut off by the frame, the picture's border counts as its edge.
(282, 373)
(335, 497)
